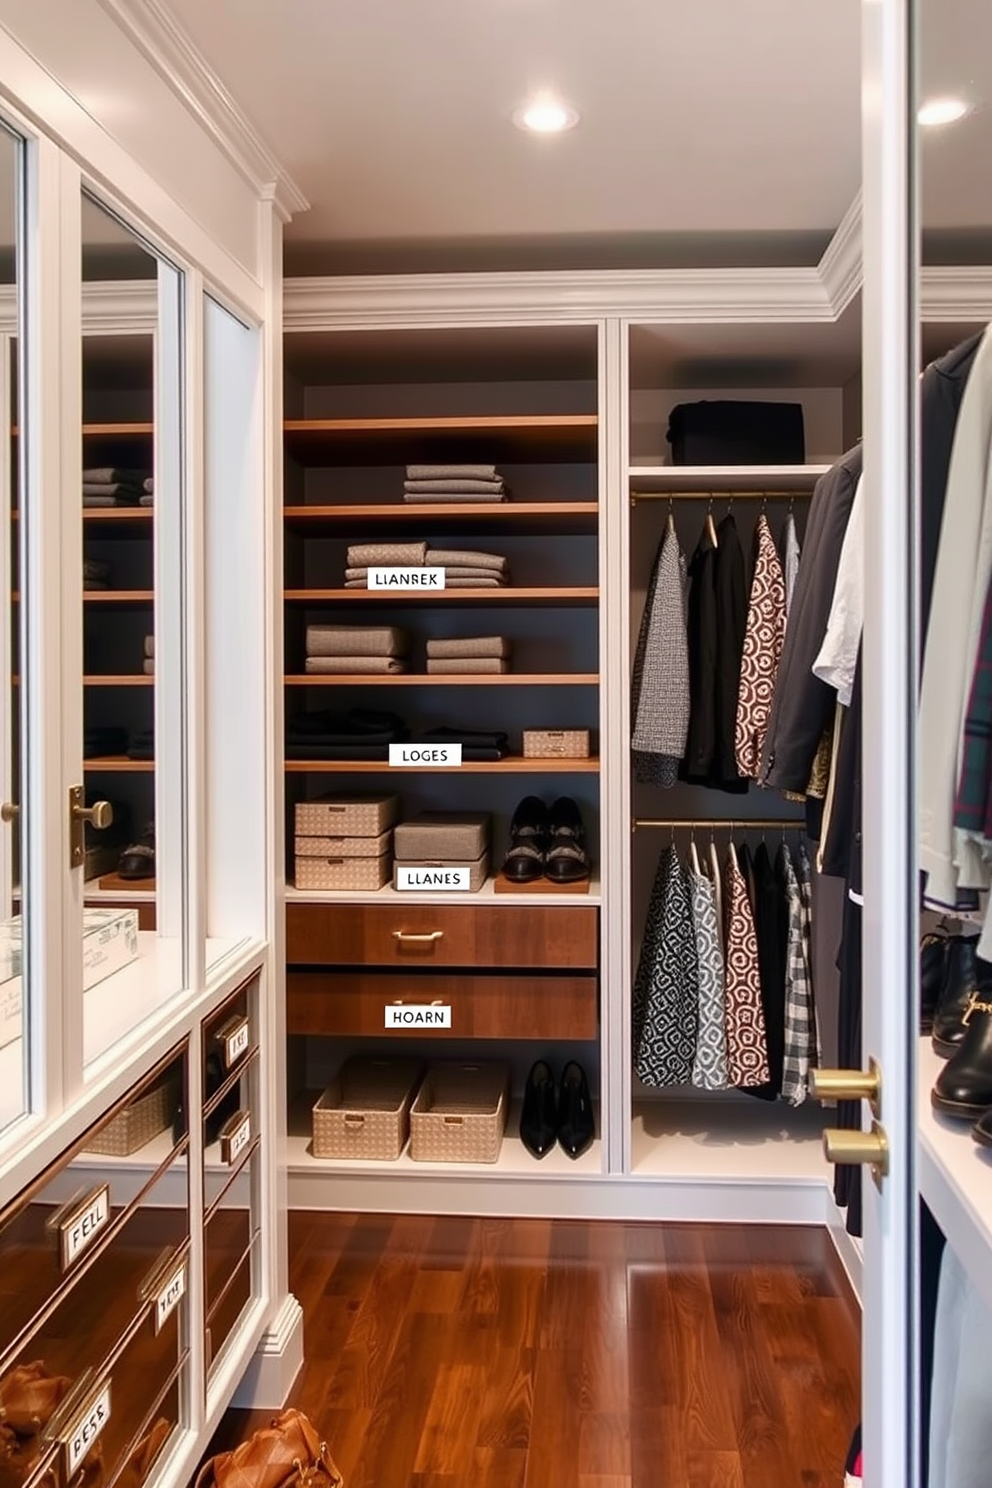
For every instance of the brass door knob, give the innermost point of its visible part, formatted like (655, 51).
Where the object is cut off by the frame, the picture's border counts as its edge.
(99, 815)
(860, 1148)
(9, 811)
(843, 1084)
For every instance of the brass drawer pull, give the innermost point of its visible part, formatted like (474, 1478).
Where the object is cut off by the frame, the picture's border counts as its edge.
(434, 1002)
(406, 937)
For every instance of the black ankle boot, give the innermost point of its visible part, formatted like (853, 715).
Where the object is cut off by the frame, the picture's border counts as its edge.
(933, 963)
(539, 1118)
(964, 1085)
(960, 981)
(576, 1129)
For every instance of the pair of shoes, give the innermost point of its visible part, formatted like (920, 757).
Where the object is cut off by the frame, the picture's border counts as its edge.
(562, 1115)
(548, 843)
(964, 1086)
(960, 976)
(138, 858)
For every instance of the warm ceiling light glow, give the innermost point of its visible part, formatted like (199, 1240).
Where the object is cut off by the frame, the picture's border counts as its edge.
(938, 111)
(546, 116)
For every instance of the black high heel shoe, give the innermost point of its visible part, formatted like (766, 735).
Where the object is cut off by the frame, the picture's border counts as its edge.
(576, 1128)
(539, 1118)
(567, 860)
(524, 863)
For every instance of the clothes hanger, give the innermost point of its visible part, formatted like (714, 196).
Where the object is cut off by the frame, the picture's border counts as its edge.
(710, 525)
(693, 854)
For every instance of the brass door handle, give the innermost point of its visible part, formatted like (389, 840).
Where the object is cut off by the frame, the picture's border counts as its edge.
(402, 1002)
(407, 937)
(99, 816)
(843, 1084)
(9, 811)
(861, 1148)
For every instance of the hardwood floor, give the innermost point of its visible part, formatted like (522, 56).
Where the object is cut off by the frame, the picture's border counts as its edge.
(470, 1353)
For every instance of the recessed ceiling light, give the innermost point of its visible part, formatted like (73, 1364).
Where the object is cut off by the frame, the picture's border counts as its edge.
(937, 111)
(545, 116)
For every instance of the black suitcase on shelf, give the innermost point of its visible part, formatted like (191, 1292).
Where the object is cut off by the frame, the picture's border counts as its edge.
(725, 432)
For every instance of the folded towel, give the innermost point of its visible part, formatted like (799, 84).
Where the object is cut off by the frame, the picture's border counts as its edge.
(147, 501)
(148, 485)
(451, 498)
(494, 582)
(467, 664)
(464, 558)
(149, 645)
(482, 487)
(451, 472)
(110, 475)
(475, 646)
(387, 555)
(148, 666)
(100, 500)
(127, 495)
(89, 583)
(357, 640)
(96, 568)
(480, 738)
(339, 665)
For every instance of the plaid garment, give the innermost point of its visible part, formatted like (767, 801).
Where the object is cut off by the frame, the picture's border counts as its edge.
(975, 774)
(800, 1031)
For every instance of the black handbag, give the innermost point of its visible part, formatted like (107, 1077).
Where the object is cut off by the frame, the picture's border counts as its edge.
(725, 432)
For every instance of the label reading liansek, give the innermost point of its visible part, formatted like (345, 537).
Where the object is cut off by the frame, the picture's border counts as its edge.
(427, 756)
(408, 580)
(433, 880)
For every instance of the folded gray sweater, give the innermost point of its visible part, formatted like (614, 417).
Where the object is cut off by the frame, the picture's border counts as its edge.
(362, 665)
(465, 558)
(357, 640)
(491, 646)
(451, 472)
(386, 555)
(467, 665)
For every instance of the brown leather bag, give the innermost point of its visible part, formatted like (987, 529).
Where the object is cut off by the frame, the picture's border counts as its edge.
(139, 1464)
(29, 1396)
(286, 1454)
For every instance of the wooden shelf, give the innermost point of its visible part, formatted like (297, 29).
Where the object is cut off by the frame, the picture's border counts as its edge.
(512, 765)
(118, 516)
(112, 883)
(124, 680)
(119, 596)
(446, 679)
(725, 478)
(507, 595)
(502, 437)
(118, 431)
(532, 518)
(118, 764)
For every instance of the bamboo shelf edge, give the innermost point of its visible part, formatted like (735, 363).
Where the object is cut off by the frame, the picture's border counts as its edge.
(445, 679)
(513, 765)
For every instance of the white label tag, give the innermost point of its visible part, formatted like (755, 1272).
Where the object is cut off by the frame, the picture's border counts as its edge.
(86, 1428)
(426, 755)
(433, 880)
(418, 1015)
(409, 579)
(236, 1043)
(238, 1141)
(80, 1228)
(169, 1295)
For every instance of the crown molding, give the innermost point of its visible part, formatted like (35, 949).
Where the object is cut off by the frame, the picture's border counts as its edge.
(155, 31)
(951, 293)
(841, 268)
(697, 295)
(110, 307)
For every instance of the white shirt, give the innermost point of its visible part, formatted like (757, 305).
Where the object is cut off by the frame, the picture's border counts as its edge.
(839, 653)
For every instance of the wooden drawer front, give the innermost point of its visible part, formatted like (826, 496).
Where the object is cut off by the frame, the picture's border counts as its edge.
(424, 935)
(499, 1007)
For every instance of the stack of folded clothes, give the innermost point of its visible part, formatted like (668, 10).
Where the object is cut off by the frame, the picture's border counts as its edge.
(359, 734)
(142, 745)
(148, 491)
(105, 485)
(96, 573)
(98, 742)
(458, 483)
(148, 665)
(463, 568)
(366, 649)
(477, 744)
(467, 654)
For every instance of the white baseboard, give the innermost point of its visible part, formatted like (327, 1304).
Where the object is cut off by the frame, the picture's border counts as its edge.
(272, 1369)
(850, 1251)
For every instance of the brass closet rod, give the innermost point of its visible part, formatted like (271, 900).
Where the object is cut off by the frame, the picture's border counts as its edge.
(722, 824)
(722, 495)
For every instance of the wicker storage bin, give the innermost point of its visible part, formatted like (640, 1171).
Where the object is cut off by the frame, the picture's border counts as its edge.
(363, 814)
(365, 1111)
(443, 837)
(147, 1117)
(343, 847)
(431, 873)
(343, 873)
(556, 743)
(459, 1114)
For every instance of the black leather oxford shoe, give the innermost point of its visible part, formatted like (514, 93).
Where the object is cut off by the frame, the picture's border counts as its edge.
(964, 1086)
(539, 1118)
(960, 981)
(933, 963)
(576, 1128)
(528, 841)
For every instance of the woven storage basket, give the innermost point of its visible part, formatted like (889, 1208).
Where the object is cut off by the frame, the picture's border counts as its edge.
(343, 847)
(459, 1114)
(556, 743)
(343, 873)
(147, 1117)
(365, 1111)
(358, 815)
(478, 873)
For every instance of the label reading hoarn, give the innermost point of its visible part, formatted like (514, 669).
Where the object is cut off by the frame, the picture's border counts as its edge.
(86, 1428)
(427, 756)
(418, 1015)
(433, 880)
(409, 580)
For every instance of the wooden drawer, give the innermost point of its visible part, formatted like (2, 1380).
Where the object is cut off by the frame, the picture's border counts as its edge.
(425, 935)
(498, 1007)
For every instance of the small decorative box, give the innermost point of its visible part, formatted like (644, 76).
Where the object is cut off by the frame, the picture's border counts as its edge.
(343, 847)
(556, 743)
(359, 815)
(343, 873)
(443, 836)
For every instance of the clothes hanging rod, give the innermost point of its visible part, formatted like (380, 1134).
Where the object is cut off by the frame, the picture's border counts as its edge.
(722, 824)
(719, 495)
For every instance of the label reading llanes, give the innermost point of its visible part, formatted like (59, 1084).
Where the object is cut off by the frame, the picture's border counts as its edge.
(81, 1226)
(86, 1427)
(407, 580)
(169, 1295)
(433, 880)
(427, 756)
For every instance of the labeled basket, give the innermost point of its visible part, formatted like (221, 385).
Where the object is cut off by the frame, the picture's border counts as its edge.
(556, 743)
(145, 1118)
(365, 1111)
(343, 873)
(343, 847)
(357, 815)
(460, 1112)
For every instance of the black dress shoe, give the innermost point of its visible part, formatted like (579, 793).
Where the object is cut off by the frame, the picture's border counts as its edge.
(964, 1086)
(960, 981)
(933, 961)
(524, 863)
(576, 1128)
(567, 859)
(138, 860)
(539, 1118)
(982, 1130)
